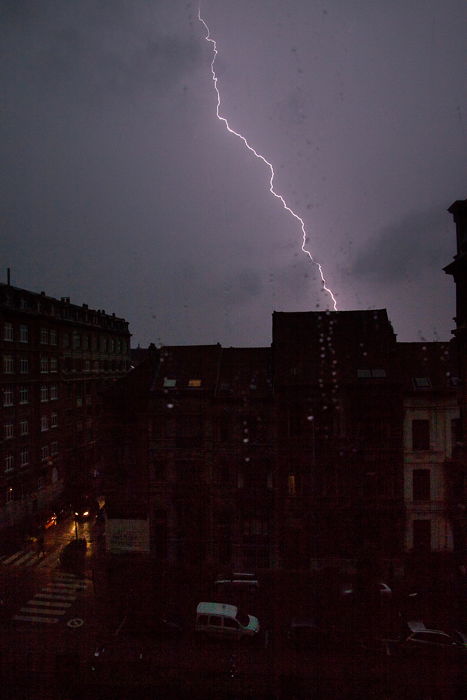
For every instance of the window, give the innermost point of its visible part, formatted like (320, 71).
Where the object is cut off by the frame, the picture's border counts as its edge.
(44, 392)
(44, 364)
(8, 364)
(169, 383)
(24, 427)
(53, 392)
(24, 394)
(8, 430)
(53, 420)
(76, 341)
(44, 451)
(367, 373)
(65, 340)
(24, 457)
(24, 365)
(85, 342)
(422, 535)
(53, 364)
(24, 334)
(53, 337)
(291, 485)
(9, 463)
(422, 382)
(194, 383)
(420, 434)
(7, 331)
(456, 434)
(8, 397)
(44, 423)
(44, 336)
(421, 485)
(54, 448)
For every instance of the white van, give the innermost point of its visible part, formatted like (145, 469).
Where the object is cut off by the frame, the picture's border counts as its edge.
(225, 621)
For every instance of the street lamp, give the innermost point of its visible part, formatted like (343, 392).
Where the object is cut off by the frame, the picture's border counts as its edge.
(76, 525)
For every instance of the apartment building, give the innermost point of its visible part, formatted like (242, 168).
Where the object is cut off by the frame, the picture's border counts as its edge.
(56, 360)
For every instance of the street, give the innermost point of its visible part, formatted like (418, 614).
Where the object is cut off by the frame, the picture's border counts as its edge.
(68, 636)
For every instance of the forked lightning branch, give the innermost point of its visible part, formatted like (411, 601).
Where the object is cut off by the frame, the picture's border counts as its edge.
(265, 161)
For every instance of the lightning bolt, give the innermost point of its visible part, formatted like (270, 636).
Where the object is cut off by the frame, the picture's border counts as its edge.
(265, 161)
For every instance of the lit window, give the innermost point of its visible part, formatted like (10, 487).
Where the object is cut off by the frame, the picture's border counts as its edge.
(23, 334)
(44, 423)
(24, 394)
(170, 383)
(24, 456)
(8, 364)
(24, 427)
(194, 383)
(8, 397)
(8, 430)
(291, 486)
(7, 331)
(44, 392)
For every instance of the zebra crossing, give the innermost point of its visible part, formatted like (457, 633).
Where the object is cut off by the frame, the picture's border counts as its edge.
(52, 601)
(31, 559)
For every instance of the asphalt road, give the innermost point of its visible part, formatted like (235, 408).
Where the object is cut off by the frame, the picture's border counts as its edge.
(85, 650)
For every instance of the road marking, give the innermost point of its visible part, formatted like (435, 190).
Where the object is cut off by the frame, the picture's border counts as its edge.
(41, 611)
(75, 586)
(49, 603)
(31, 618)
(46, 561)
(75, 622)
(24, 558)
(12, 557)
(55, 596)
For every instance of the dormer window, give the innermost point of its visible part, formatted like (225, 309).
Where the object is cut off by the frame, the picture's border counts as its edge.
(194, 383)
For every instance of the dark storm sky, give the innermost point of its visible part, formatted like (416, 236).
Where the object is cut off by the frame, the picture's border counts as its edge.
(121, 189)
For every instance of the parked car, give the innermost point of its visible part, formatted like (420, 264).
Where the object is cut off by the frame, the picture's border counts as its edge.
(424, 641)
(305, 633)
(236, 581)
(379, 588)
(224, 621)
(73, 555)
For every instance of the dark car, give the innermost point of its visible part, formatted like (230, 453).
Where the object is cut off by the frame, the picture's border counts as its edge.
(439, 644)
(305, 633)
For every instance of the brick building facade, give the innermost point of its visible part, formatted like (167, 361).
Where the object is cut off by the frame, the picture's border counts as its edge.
(57, 358)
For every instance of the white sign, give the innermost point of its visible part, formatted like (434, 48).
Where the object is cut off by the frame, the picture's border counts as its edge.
(127, 536)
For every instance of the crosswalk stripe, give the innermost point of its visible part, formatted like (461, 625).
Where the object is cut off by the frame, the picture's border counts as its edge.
(40, 611)
(76, 586)
(50, 559)
(12, 557)
(24, 558)
(54, 596)
(49, 603)
(31, 618)
(63, 575)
